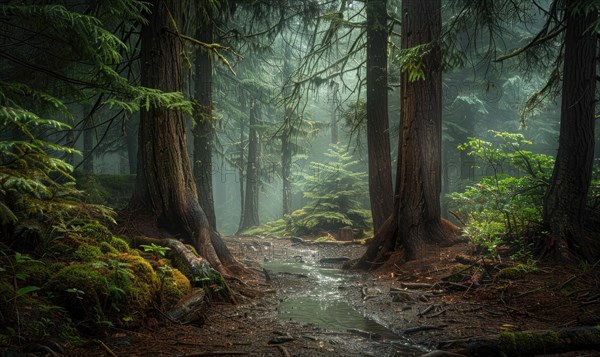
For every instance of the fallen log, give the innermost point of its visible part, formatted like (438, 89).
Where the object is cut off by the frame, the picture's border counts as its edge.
(531, 343)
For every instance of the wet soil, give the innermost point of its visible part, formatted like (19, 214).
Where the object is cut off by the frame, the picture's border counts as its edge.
(437, 302)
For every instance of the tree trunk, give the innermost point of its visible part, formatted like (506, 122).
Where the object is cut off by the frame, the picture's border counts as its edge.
(164, 185)
(334, 106)
(241, 164)
(286, 136)
(204, 129)
(286, 166)
(378, 140)
(250, 212)
(565, 200)
(131, 137)
(416, 218)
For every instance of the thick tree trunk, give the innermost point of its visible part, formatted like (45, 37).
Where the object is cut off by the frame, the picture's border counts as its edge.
(565, 201)
(378, 139)
(250, 212)
(204, 129)
(416, 220)
(165, 186)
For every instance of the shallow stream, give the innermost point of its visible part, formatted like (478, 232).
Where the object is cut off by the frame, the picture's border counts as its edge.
(326, 306)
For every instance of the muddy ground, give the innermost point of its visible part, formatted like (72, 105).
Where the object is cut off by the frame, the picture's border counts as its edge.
(439, 302)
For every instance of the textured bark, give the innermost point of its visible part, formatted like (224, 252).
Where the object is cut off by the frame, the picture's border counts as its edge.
(204, 129)
(131, 137)
(378, 139)
(565, 200)
(286, 148)
(334, 104)
(250, 212)
(416, 220)
(164, 185)
(286, 168)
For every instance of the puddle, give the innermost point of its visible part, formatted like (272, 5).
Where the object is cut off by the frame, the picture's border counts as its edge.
(324, 305)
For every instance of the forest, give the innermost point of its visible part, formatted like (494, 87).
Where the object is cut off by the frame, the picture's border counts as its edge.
(299, 178)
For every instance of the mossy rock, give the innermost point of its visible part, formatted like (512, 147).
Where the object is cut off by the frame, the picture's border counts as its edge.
(143, 287)
(515, 272)
(80, 288)
(120, 244)
(96, 231)
(107, 248)
(65, 246)
(87, 253)
(175, 287)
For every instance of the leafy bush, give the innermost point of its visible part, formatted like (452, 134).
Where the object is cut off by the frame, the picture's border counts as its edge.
(503, 207)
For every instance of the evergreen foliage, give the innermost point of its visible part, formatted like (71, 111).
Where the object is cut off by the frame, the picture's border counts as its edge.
(336, 193)
(58, 260)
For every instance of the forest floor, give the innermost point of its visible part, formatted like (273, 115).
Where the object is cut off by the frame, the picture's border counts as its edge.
(451, 296)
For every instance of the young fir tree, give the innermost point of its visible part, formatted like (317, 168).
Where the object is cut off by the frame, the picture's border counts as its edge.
(336, 193)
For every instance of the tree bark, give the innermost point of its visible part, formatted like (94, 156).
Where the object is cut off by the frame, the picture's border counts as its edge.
(378, 140)
(250, 212)
(565, 200)
(131, 137)
(204, 129)
(416, 220)
(164, 185)
(335, 87)
(286, 168)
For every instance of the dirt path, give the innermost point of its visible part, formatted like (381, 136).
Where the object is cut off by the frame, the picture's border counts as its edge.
(416, 301)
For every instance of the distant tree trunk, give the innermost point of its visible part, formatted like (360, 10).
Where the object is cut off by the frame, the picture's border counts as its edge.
(131, 137)
(286, 168)
(165, 186)
(416, 220)
(286, 147)
(241, 164)
(334, 107)
(250, 213)
(204, 129)
(378, 139)
(88, 144)
(565, 200)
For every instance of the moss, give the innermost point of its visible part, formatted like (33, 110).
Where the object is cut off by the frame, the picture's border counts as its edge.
(175, 287)
(79, 288)
(516, 272)
(144, 283)
(120, 244)
(96, 231)
(525, 343)
(87, 253)
(106, 248)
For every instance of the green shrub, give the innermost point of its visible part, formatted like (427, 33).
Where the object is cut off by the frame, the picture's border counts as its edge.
(502, 208)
